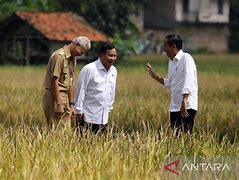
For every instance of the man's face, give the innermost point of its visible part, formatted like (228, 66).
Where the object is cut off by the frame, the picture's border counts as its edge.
(79, 50)
(168, 49)
(108, 58)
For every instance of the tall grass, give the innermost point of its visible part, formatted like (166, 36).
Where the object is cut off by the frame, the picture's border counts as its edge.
(139, 139)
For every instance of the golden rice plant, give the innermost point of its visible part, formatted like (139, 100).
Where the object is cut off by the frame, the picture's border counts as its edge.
(139, 139)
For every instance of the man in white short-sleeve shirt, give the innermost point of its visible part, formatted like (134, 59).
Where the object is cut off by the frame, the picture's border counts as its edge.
(95, 92)
(182, 81)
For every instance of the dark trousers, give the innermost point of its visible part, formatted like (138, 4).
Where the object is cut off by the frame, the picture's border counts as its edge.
(83, 126)
(180, 124)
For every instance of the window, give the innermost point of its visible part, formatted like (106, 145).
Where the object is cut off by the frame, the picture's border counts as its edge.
(185, 6)
(220, 6)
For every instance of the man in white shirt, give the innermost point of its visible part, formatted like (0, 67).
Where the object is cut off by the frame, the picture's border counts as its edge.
(182, 81)
(95, 91)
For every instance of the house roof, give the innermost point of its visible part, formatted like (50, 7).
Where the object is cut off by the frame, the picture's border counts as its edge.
(61, 26)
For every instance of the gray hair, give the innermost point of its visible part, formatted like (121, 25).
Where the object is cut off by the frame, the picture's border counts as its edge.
(82, 41)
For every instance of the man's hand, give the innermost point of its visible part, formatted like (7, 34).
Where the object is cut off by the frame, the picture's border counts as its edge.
(72, 112)
(80, 117)
(150, 70)
(183, 108)
(153, 75)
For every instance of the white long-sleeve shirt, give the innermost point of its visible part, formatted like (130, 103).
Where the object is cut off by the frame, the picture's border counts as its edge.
(95, 92)
(182, 79)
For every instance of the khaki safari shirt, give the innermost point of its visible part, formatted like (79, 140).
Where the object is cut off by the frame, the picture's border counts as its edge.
(61, 65)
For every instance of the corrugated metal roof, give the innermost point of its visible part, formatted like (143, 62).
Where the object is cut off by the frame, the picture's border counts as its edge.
(61, 26)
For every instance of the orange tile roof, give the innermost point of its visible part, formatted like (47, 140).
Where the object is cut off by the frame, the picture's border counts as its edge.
(62, 26)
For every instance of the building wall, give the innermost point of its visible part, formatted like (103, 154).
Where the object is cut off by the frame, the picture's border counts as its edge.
(157, 10)
(208, 28)
(202, 11)
(138, 18)
(208, 37)
(209, 12)
(201, 28)
(196, 38)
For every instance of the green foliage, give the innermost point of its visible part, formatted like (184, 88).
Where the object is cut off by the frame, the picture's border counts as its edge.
(203, 50)
(48, 5)
(8, 7)
(125, 47)
(234, 26)
(109, 16)
(234, 4)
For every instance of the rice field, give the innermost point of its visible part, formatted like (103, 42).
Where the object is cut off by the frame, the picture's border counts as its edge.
(139, 141)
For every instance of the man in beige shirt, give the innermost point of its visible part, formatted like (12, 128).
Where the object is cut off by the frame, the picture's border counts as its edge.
(58, 95)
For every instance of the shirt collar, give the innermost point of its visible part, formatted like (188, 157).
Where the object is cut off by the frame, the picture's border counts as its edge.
(100, 65)
(67, 52)
(179, 55)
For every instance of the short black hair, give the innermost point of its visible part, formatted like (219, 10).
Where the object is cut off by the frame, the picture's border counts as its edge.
(174, 39)
(104, 47)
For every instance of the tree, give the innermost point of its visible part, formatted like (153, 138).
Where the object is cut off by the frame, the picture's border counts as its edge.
(8, 7)
(234, 12)
(234, 26)
(109, 16)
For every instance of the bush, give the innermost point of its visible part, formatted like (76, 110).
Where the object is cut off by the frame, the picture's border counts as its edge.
(125, 47)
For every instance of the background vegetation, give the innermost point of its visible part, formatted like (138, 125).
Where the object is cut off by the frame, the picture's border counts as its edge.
(139, 139)
(109, 16)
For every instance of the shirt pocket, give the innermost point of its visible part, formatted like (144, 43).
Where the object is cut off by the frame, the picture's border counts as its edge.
(99, 83)
(180, 75)
(112, 80)
(64, 74)
(112, 84)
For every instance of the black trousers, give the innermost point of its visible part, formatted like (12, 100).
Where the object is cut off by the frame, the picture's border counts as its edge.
(180, 124)
(83, 126)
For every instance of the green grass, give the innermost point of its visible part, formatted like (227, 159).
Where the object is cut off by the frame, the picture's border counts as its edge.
(213, 64)
(139, 141)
